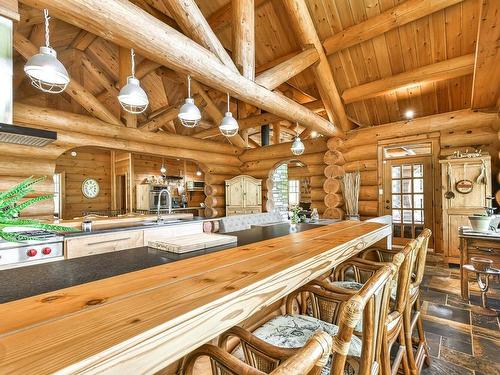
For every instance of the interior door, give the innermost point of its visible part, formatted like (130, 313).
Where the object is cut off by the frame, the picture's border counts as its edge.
(408, 199)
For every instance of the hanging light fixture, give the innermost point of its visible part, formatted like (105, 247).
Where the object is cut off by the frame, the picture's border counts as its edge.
(46, 72)
(132, 97)
(163, 170)
(228, 125)
(189, 114)
(297, 145)
(198, 172)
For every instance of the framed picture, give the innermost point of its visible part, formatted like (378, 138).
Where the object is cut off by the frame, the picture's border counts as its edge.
(464, 186)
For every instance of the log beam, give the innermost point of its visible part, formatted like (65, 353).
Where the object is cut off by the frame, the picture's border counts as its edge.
(193, 23)
(276, 133)
(447, 69)
(400, 15)
(74, 89)
(222, 17)
(306, 32)
(244, 37)
(486, 84)
(275, 76)
(164, 119)
(170, 48)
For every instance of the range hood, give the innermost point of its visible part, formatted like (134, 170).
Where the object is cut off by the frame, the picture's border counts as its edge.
(10, 133)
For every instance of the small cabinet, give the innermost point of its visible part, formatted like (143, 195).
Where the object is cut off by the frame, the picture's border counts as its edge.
(243, 195)
(456, 210)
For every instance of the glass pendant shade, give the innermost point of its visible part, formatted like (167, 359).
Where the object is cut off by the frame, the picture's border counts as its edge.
(189, 114)
(297, 146)
(132, 97)
(45, 71)
(228, 125)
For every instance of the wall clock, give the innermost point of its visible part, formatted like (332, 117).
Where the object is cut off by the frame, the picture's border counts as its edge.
(90, 188)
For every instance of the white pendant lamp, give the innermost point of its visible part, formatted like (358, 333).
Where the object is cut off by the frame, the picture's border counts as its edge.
(298, 147)
(46, 72)
(189, 114)
(132, 97)
(228, 126)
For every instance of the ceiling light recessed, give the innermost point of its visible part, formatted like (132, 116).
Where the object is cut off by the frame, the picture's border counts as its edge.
(314, 134)
(409, 114)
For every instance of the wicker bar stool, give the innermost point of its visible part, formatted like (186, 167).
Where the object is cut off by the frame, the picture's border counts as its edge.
(355, 272)
(281, 337)
(310, 359)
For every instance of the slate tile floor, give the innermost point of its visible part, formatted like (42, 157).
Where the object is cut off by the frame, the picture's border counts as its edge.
(461, 341)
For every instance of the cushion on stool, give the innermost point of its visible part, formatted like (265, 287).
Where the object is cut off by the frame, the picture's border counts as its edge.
(293, 331)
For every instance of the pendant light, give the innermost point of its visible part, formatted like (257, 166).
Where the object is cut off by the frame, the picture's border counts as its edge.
(132, 97)
(163, 170)
(46, 72)
(189, 114)
(229, 126)
(297, 145)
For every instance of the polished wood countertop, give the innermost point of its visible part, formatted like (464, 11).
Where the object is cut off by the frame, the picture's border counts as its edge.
(141, 321)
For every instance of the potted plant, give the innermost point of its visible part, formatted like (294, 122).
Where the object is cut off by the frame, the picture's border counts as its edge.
(295, 217)
(11, 206)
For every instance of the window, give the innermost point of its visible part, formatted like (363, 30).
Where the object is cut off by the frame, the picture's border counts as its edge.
(293, 192)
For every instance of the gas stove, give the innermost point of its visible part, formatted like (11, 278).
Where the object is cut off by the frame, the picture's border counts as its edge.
(45, 246)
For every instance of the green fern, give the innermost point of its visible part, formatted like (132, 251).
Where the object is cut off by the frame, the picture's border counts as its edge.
(10, 209)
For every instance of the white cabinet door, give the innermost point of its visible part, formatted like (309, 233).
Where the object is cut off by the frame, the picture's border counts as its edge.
(252, 193)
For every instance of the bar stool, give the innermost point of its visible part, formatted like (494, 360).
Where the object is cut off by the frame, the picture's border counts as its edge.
(281, 337)
(358, 269)
(310, 359)
(483, 270)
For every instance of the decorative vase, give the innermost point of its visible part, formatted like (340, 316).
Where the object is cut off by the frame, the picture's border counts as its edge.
(293, 227)
(314, 215)
(352, 217)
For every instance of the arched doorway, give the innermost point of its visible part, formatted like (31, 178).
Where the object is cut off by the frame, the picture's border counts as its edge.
(289, 185)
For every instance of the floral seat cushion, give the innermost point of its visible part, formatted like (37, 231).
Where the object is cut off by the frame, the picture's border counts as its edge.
(293, 331)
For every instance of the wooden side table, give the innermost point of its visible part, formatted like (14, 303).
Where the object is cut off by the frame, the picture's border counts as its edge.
(473, 244)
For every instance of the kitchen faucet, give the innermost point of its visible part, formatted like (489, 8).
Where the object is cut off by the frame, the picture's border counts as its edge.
(158, 218)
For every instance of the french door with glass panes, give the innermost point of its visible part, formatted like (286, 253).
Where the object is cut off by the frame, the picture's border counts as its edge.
(408, 196)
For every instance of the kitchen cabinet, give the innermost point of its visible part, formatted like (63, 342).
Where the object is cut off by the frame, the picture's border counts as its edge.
(102, 243)
(243, 195)
(456, 210)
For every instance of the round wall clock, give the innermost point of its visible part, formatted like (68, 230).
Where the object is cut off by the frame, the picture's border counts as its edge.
(90, 188)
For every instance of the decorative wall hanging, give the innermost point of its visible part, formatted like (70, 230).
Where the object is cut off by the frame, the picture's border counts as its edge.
(90, 188)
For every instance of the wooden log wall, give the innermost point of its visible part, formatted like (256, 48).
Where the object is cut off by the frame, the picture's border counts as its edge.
(458, 131)
(334, 159)
(87, 163)
(260, 162)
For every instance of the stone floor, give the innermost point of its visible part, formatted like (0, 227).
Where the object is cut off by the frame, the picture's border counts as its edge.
(461, 340)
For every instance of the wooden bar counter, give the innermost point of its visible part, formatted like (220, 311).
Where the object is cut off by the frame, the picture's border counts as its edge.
(139, 322)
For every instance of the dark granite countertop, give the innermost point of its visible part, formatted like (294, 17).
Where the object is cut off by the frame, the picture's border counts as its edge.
(33, 280)
(134, 226)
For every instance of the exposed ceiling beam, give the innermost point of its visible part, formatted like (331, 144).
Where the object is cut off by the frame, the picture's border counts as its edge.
(193, 24)
(83, 40)
(161, 120)
(486, 86)
(282, 72)
(400, 15)
(161, 43)
(447, 69)
(304, 28)
(212, 110)
(222, 17)
(77, 92)
(243, 39)
(258, 120)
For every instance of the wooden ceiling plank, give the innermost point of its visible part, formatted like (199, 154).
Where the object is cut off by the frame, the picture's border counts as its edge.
(172, 49)
(222, 17)
(486, 84)
(279, 74)
(452, 68)
(99, 74)
(74, 89)
(401, 14)
(193, 23)
(306, 32)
